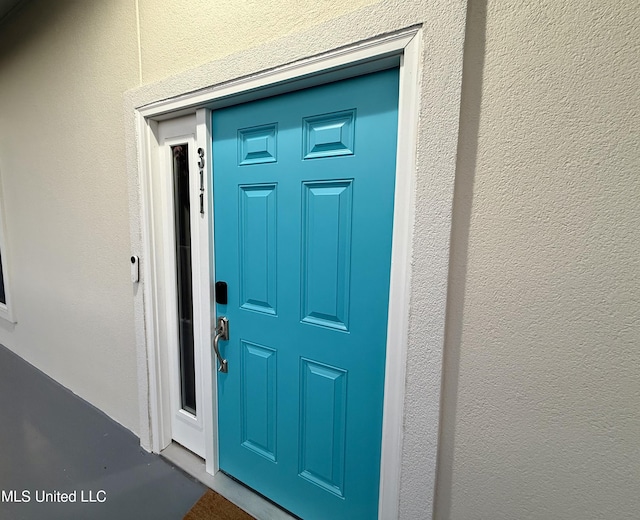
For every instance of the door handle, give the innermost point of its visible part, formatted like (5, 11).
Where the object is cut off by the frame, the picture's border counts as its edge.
(222, 333)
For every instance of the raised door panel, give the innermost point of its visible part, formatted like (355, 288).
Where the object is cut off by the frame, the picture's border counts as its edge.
(257, 247)
(326, 253)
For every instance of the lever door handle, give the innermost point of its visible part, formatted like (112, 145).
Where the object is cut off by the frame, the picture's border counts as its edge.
(222, 333)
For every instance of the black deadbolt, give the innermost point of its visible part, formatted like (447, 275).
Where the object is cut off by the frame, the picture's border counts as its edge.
(221, 293)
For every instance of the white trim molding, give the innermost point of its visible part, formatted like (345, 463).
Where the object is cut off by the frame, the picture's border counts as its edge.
(430, 61)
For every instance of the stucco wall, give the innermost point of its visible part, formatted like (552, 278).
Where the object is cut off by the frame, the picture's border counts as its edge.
(175, 37)
(540, 397)
(63, 69)
(542, 358)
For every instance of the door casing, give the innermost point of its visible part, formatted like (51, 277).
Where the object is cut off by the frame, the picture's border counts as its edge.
(402, 48)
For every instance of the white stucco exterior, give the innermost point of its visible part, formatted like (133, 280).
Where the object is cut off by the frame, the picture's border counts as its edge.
(63, 168)
(539, 413)
(521, 392)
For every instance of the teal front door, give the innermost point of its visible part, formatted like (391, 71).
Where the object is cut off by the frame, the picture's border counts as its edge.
(303, 211)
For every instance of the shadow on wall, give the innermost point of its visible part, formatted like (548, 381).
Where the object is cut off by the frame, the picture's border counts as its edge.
(29, 20)
(472, 75)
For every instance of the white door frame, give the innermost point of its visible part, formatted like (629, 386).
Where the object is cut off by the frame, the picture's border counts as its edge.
(186, 428)
(402, 48)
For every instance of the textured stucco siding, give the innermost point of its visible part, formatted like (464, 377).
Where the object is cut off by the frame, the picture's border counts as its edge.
(175, 37)
(526, 224)
(63, 69)
(542, 358)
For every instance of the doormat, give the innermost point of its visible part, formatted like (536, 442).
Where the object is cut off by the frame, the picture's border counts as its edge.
(212, 506)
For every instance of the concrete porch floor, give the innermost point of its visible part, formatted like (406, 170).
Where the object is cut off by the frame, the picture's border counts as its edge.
(53, 441)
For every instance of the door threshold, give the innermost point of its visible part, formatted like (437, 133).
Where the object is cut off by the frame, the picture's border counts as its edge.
(233, 491)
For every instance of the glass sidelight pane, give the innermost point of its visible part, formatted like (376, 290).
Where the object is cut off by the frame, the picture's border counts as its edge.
(183, 275)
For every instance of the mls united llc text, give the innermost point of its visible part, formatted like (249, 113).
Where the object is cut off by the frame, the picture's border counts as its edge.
(40, 496)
